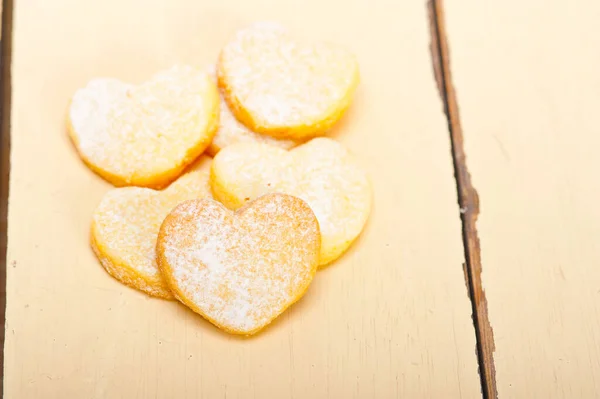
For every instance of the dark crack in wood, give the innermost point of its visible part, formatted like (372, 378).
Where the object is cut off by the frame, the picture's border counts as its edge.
(5, 85)
(468, 201)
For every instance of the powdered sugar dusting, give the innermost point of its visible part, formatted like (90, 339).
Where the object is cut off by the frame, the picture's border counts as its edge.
(139, 131)
(231, 131)
(241, 270)
(282, 82)
(127, 221)
(321, 172)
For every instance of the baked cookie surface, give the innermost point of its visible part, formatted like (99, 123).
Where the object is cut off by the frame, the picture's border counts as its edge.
(231, 131)
(321, 172)
(279, 86)
(125, 227)
(241, 269)
(144, 135)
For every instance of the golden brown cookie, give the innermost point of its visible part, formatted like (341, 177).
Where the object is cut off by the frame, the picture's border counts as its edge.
(232, 131)
(144, 135)
(239, 270)
(125, 226)
(279, 86)
(321, 172)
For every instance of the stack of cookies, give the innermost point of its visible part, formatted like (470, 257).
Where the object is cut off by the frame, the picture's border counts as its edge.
(239, 237)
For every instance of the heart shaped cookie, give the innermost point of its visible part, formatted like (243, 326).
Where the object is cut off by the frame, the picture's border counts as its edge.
(144, 135)
(232, 131)
(239, 270)
(278, 86)
(125, 226)
(321, 172)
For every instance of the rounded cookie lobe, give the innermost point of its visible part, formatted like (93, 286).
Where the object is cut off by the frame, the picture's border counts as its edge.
(144, 135)
(126, 222)
(231, 131)
(239, 270)
(321, 172)
(278, 86)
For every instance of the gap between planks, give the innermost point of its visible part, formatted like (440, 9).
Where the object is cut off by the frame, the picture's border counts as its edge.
(468, 201)
(5, 87)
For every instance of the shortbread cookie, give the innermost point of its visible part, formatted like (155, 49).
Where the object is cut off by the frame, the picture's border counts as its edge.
(239, 270)
(278, 86)
(232, 131)
(125, 226)
(144, 135)
(321, 172)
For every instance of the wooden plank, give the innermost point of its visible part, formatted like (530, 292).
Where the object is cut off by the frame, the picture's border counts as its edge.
(528, 89)
(390, 319)
(5, 62)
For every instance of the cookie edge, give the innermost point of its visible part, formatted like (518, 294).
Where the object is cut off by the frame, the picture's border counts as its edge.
(152, 287)
(167, 271)
(160, 180)
(300, 132)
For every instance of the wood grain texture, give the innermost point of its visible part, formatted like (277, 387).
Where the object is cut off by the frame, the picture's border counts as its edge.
(528, 89)
(390, 319)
